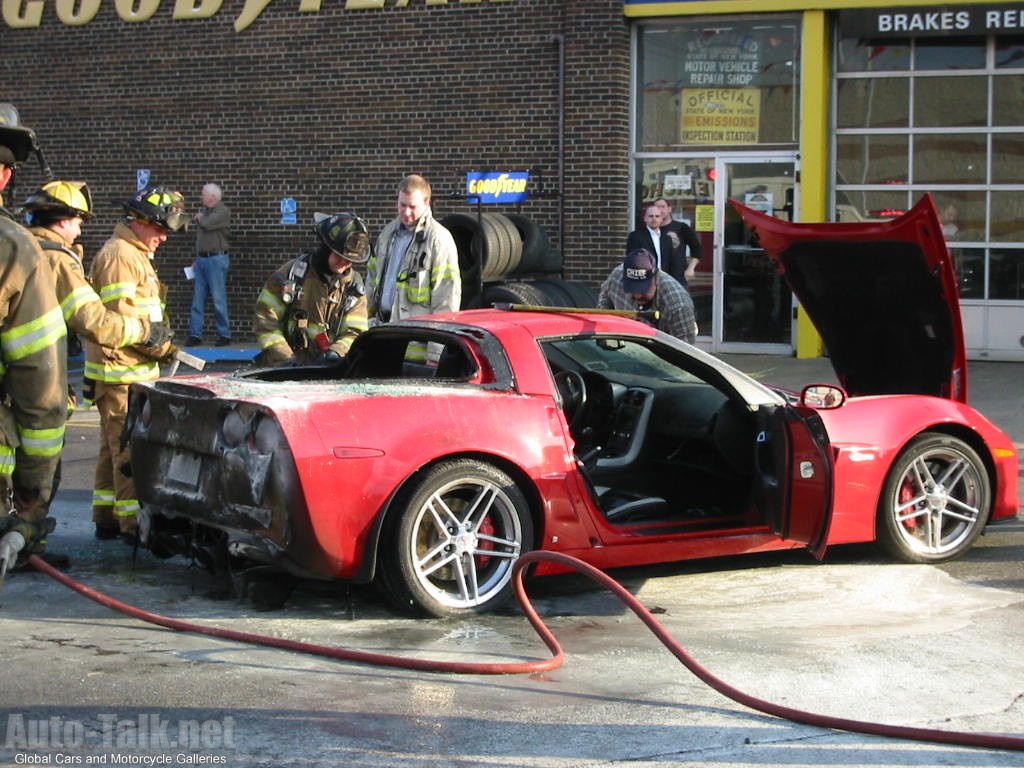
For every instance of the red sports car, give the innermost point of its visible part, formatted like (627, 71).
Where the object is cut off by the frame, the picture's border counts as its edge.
(590, 434)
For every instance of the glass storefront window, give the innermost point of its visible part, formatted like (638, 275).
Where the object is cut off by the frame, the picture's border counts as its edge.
(946, 53)
(730, 83)
(940, 102)
(871, 205)
(962, 214)
(1006, 216)
(1007, 158)
(872, 56)
(873, 103)
(950, 158)
(871, 159)
(687, 185)
(970, 271)
(1010, 52)
(963, 143)
(1008, 99)
(1007, 275)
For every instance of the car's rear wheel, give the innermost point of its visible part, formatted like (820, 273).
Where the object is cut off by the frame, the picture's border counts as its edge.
(935, 501)
(461, 529)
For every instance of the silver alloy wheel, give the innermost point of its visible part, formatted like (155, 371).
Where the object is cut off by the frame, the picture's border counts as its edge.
(936, 500)
(463, 527)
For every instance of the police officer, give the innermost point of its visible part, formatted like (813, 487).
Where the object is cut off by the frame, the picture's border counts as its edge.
(313, 307)
(123, 275)
(54, 214)
(33, 376)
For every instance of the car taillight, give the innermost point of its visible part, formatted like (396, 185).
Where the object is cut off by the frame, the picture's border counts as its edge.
(267, 437)
(234, 429)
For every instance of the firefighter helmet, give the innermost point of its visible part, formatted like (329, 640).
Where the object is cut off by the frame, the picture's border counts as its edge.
(59, 199)
(157, 205)
(16, 141)
(345, 234)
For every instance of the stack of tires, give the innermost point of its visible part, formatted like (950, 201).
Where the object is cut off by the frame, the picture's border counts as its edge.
(507, 257)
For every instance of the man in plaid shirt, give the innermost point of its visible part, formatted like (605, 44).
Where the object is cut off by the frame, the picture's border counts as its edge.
(637, 284)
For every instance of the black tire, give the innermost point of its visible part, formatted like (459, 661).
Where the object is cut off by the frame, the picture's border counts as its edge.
(460, 529)
(935, 502)
(536, 243)
(567, 293)
(581, 294)
(493, 244)
(513, 293)
(465, 229)
(555, 291)
(514, 255)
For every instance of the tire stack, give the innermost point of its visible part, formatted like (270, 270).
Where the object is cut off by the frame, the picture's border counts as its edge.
(501, 256)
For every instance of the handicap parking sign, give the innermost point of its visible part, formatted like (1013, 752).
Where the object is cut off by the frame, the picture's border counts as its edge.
(289, 210)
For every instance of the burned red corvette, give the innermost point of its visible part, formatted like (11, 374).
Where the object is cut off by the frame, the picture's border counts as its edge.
(588, 434)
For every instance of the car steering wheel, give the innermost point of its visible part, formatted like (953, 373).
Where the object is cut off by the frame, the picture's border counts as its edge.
(573, 390)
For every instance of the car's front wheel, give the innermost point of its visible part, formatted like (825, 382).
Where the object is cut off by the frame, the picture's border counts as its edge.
(461, 528)
(935, 502)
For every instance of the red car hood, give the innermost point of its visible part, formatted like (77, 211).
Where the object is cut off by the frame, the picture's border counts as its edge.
(883, 296)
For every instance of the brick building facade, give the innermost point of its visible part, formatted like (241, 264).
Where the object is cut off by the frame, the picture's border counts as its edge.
(329, 106)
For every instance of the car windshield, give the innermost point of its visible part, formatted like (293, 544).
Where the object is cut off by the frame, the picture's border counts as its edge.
(618, 356)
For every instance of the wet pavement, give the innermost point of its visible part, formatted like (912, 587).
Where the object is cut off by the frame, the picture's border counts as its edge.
(855, 637)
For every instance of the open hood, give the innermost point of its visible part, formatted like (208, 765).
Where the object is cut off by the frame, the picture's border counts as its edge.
(883, 296)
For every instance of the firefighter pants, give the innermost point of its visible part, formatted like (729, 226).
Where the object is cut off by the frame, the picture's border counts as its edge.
(113, 494)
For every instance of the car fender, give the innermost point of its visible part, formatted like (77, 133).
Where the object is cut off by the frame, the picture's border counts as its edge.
(353, 469)
(867, 435)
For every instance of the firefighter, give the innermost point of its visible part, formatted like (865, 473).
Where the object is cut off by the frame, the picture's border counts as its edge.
(33, 376)
(54, 214)
(313, 307)
(415, 270)
(123, 275)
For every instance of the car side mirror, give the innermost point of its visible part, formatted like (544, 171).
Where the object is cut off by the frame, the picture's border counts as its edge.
(822, 396)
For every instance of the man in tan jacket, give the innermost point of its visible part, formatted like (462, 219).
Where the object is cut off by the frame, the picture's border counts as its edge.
(54, 214)
(33, 376)
(123, 275)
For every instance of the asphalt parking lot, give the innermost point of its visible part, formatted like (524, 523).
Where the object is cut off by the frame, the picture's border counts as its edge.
(855, 637)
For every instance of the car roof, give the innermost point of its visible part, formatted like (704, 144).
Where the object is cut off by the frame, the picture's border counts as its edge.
(546, 321)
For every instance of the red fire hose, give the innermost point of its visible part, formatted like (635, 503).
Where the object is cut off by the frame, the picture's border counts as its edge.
(990, 741)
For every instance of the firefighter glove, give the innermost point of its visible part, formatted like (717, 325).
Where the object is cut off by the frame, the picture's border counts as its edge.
(10, 545)
(170, 355)
(159, 334)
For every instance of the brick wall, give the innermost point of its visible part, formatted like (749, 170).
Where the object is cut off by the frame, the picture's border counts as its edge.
(332, 108)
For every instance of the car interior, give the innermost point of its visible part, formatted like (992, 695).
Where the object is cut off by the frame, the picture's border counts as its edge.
(394, 356)
(657, 444)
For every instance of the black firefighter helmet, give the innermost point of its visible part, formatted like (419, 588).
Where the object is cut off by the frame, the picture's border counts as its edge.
(157, 205)
(16, 141)
(345, 234)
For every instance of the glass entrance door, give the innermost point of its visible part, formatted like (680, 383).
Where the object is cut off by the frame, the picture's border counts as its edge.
(753, 306)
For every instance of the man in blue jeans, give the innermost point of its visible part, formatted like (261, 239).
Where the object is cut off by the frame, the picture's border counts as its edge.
(210, 269)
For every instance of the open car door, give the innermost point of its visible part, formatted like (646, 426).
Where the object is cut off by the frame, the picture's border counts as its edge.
(883, 295)
(794, 471)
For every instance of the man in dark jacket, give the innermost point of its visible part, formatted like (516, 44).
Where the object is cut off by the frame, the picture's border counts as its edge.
(651, 237)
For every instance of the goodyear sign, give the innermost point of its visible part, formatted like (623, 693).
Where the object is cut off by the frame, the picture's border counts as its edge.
(24, 14)
(489, 188)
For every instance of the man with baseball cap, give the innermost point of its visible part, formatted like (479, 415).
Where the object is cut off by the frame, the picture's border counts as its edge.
(638, 284)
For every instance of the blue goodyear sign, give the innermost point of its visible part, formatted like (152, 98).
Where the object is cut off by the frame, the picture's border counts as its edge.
(493, 187)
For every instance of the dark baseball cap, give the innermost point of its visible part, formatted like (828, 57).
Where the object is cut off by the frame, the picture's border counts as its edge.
(638, 271)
